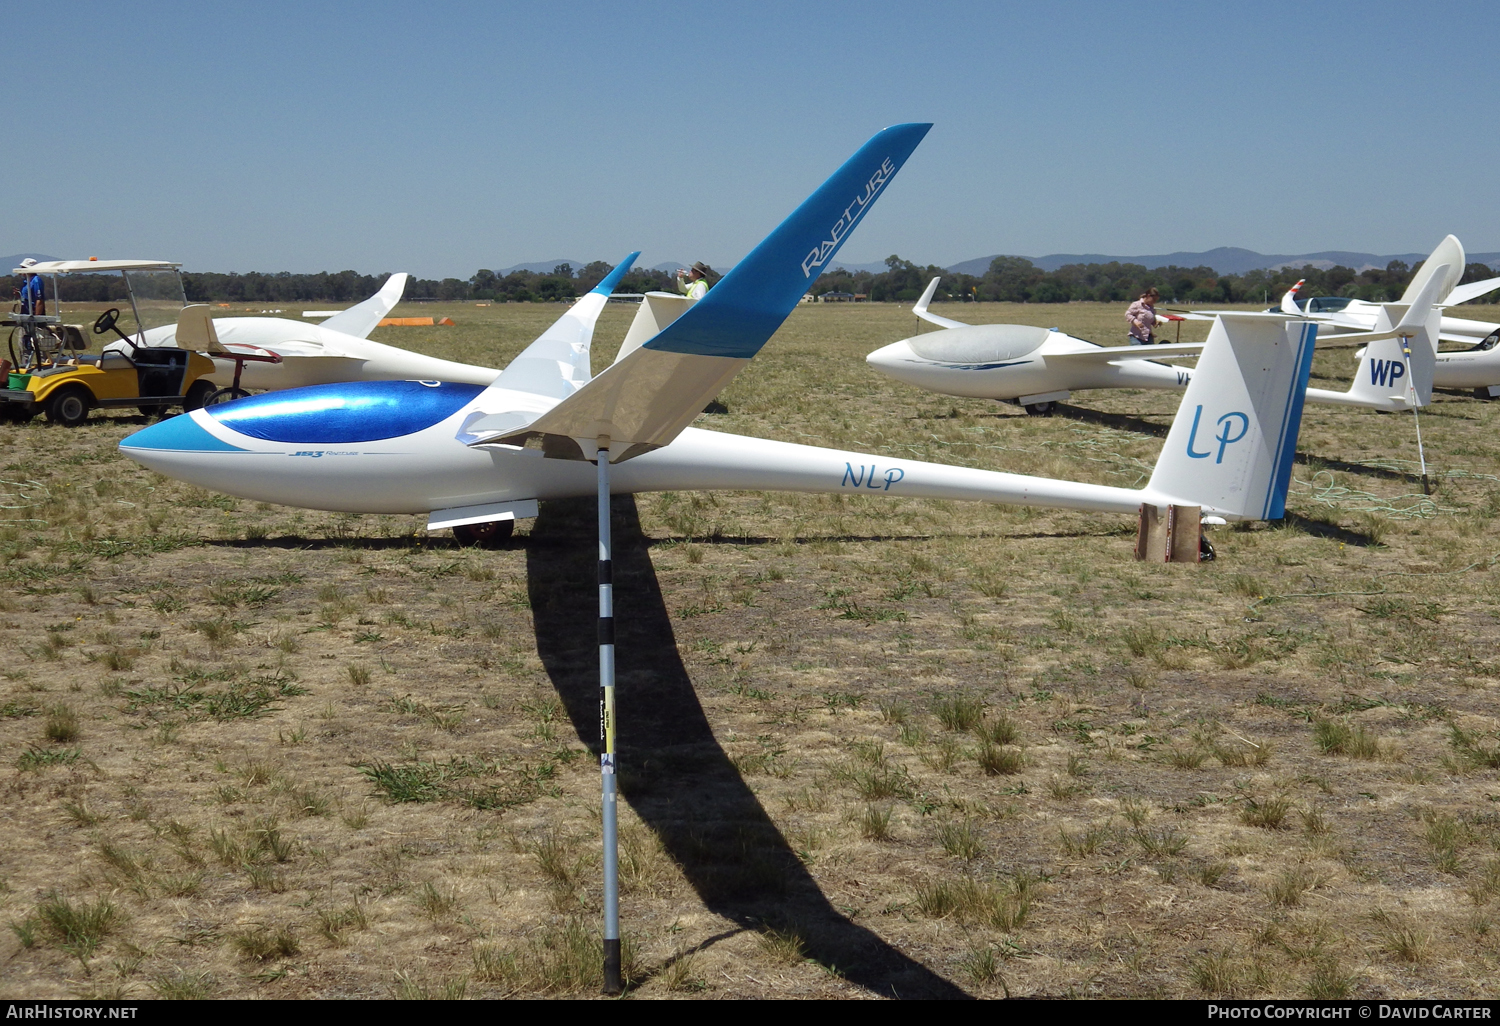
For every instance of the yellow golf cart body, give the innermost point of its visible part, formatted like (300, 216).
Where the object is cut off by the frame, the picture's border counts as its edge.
(55, 377)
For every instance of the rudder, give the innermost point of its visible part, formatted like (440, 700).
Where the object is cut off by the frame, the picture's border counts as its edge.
(1231, 445)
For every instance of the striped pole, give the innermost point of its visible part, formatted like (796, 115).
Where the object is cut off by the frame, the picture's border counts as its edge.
(1411, 400)
(612, 982)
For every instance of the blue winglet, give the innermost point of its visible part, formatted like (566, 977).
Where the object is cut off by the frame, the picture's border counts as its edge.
(743, 311)
(612, 279)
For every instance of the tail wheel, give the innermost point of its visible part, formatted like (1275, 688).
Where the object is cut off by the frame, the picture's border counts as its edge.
(1041, 409)
(70, 406)
(197, 395)
(225, 395)
(489, 535)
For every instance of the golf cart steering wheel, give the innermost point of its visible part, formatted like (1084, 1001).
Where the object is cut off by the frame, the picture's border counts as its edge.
(106, 321)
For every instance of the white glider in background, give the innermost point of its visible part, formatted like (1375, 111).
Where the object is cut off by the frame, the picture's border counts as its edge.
(460, 453)
(1032, 367)
(1337, 314)
(1037, 368)
(316, 354)
(1475, 364)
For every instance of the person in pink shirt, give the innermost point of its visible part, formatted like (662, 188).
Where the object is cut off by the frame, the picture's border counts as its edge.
(1143, 317)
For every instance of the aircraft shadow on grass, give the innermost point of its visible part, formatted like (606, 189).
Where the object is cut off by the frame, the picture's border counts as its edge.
(1125, 422)
(674, 774)
(1118, 421)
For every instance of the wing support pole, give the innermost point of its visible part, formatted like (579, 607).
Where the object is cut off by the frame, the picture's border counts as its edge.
(612, 981)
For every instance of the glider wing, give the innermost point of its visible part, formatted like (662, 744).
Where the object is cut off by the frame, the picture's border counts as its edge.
(362, 318)
(557, 364)
(920, 309)
(1473, 290)
(1106, 354)
(646, 398)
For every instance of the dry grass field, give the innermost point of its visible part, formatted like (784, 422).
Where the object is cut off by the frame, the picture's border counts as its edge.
(871, 747)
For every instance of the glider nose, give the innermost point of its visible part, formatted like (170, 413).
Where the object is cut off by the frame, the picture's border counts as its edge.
(175, 434)
(892, 359)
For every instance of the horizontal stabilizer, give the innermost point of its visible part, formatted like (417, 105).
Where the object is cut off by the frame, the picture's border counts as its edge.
(362, 318)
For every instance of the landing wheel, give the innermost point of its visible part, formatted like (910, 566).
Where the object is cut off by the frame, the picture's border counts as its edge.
(225, 395)
(489, 535)
(1482, 393)
(1206, 552)
(198, 394)
(1041, 409)
(69, 407)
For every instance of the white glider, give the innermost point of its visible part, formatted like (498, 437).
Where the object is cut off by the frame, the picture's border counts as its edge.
(1037, 368)
(463, 455)
(1474, 365)
(316, 354)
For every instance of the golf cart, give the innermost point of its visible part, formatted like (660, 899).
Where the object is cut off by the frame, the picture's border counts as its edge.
(52, 374)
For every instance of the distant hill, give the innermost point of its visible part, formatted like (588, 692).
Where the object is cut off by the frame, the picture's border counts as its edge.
(541, 267)
(1224, 260)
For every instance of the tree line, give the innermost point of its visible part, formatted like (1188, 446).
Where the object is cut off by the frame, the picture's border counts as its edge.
(1008, 280)
(1017, 280)
(561, 283)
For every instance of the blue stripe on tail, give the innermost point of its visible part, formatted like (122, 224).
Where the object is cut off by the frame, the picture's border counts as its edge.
(743, 311)
(612, 279)
(1291, 425)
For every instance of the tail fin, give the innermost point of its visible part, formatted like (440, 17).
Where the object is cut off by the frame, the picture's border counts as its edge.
(362, 318)
(1231, 445)
(1446, 264)
(1395, 373)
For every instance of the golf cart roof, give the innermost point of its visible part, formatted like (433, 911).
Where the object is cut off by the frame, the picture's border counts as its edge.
(85, 266)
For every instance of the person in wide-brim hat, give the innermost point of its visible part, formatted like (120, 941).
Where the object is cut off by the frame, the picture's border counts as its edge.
(694, 280)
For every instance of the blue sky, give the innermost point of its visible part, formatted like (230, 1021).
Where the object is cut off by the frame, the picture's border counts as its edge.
(440, 138)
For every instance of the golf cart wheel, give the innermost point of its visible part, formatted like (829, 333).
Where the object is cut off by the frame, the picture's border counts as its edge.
(1041, 409)
(197, 395)
(70, 406)
(225, 395)
(489, 535)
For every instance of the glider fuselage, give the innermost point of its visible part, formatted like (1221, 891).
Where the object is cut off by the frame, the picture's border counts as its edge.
(323, 458)
(981, 363)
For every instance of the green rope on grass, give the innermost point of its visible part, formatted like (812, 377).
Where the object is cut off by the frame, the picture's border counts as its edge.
(1486, 563)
